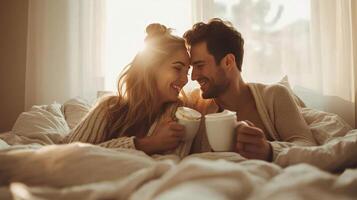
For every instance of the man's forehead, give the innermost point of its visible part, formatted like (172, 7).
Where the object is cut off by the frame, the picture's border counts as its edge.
(200, 47)
(198, 52)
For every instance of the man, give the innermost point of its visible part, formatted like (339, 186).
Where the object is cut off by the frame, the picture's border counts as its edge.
(273, 120)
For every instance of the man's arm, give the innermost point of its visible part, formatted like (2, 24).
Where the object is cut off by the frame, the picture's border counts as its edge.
(289, 123)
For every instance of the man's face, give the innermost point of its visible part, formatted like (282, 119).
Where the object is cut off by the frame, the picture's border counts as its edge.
(207, 73)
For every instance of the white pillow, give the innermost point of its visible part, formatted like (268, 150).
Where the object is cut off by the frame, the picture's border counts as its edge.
(74, 110)
(3, 144)
(285, 82)
(44, 124)
(325, 126)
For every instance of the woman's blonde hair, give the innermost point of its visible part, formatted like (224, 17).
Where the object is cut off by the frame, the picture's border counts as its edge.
(137, 90)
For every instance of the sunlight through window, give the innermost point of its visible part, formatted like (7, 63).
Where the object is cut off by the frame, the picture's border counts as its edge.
(126, 24)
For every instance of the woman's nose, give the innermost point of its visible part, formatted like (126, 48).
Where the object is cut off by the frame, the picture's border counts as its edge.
(184, 79)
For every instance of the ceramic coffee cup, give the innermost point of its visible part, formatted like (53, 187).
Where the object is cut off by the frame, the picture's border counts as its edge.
(220, 129)
(189, 118)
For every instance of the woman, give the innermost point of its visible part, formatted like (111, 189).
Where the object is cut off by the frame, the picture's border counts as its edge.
(140, 116)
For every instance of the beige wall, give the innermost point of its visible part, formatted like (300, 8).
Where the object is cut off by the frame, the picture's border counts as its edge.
(13, 37)
(354, 55)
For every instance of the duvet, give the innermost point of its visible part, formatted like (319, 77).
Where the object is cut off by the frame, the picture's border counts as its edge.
(33, 165)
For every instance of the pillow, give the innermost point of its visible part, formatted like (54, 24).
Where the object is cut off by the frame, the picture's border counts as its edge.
(102, 93)
(74, 110)
(325, 126)
(3, 144)
(285, 82)
(44, 124)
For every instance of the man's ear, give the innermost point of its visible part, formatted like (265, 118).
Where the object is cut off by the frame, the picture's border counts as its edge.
(229, 62)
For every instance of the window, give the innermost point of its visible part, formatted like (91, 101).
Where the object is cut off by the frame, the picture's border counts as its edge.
(126, 24)
(276, 35)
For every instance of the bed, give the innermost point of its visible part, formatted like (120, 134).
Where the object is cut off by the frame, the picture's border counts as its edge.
(34, 165)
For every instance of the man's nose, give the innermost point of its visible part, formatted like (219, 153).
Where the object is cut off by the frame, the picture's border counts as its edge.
(194, 74)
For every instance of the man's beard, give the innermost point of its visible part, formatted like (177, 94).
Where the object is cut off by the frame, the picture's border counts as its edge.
(215, 90)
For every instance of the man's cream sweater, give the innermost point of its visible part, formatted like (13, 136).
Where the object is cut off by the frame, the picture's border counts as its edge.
(277, 109)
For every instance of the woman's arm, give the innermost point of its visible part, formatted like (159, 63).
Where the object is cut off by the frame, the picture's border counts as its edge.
(92, 130)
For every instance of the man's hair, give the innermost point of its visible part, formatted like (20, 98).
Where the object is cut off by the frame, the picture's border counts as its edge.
(221, 39)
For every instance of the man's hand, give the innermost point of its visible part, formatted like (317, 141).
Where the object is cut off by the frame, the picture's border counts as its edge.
(252, 143)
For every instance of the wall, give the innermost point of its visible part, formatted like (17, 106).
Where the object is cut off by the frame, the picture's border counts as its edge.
(13, 42)
(354, 38)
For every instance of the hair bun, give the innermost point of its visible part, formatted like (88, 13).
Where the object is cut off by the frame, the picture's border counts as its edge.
(154, 30)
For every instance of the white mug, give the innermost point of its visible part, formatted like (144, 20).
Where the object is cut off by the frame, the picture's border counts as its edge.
(190, 119)
(220, 129)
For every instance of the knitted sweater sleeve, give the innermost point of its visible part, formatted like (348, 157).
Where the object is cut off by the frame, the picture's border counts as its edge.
(92, 130)
(289, 123)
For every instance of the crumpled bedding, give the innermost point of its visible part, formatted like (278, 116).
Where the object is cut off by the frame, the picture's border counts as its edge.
(34, 166)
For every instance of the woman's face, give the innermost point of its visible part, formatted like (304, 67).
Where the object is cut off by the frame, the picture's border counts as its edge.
(172, 76)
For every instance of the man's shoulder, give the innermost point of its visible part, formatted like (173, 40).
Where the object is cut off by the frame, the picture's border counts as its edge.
(275, 92)
(269, 89)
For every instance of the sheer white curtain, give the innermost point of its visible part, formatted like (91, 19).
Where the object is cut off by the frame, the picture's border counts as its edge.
(79, 47)
(64, 51)
(332, 56)
(308, 40)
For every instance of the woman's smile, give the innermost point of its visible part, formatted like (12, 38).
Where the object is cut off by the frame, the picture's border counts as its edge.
(176, 88)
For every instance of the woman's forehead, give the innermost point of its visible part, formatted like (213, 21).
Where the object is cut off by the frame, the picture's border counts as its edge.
(182, 56)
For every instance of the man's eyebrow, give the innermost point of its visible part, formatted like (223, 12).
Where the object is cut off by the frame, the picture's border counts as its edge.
(198, 62)
(179, 62)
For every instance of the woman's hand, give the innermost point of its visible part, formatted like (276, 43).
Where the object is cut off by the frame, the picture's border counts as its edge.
(167, 136)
